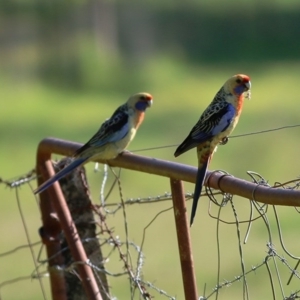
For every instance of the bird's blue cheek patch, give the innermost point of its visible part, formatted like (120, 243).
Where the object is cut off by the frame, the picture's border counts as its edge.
(141, 105)
(239, 89)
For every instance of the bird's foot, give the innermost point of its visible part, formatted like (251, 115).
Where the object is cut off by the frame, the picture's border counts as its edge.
(224, 141)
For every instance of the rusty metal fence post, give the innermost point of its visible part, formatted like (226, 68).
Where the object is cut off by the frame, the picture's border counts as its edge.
(55, 196)
(177, 173)
(184, 240)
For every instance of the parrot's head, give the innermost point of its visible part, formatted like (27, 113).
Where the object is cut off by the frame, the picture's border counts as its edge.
(239, 84)
(140, 101)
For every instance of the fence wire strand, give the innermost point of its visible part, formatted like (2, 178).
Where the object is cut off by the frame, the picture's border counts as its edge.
(127, 250)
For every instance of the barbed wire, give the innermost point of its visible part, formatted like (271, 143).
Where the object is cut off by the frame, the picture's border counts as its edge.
(126, 249)
(135, 272)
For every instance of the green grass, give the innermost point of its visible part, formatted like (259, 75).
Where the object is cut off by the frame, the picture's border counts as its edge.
(31, 111)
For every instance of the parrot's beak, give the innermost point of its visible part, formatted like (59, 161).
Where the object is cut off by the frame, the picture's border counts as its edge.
(247, 89)
(248, 85)
(150, 102)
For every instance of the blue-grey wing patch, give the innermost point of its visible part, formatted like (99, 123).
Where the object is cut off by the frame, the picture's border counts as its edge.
(223, 119)
(111, 130)
(214, 120)
(214, 123)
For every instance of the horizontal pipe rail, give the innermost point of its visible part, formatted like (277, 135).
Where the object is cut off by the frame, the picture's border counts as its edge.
(228, 183)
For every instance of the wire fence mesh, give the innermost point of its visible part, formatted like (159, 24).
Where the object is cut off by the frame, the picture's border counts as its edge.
(242, 249)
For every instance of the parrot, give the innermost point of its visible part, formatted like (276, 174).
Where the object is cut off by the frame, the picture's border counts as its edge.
(214, 126)
(112, 138)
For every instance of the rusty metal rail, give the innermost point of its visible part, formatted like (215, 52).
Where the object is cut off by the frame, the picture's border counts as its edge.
(177, 173)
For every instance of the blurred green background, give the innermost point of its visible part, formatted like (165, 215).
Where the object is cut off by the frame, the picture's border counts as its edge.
(66, 65)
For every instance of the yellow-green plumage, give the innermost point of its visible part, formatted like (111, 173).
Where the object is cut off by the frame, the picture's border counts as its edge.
(216, 123)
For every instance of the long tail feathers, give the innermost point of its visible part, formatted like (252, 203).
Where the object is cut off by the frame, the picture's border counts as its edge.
(198, 188)
(76, 163)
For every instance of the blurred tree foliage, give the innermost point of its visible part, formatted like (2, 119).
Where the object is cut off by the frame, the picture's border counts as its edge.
(84, 44)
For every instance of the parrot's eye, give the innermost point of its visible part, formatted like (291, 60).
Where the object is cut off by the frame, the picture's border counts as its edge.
(238, 81)
(142, 98)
